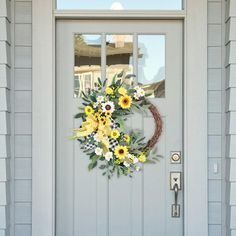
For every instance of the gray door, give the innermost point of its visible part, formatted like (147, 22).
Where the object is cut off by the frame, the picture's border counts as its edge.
(87, 204)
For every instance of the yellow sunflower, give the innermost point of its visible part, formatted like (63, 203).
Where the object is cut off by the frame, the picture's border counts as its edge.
(127, 138)
(88, 110)
(108, 114)
(122, 91)
(142, 158)
(109, 90)
(125, 101)
(121, 152)
(115, 134)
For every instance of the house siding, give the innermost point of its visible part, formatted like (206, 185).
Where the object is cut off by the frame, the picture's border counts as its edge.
(22, 118)
(22, 131)
(230, 65)
(216, 121)
(5, 67)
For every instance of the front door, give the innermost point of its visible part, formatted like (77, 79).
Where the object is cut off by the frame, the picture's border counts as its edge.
(87, 203)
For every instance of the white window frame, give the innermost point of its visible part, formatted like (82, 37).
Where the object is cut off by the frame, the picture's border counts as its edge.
(195, 109)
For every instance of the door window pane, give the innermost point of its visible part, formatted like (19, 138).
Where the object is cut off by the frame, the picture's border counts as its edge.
(87, 62)
(120, 5)
(119, 55)
(151, 64)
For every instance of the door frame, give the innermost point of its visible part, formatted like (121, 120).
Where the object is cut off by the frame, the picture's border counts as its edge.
(195, 109)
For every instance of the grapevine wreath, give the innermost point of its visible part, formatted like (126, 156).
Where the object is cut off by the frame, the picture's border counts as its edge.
(103, 134)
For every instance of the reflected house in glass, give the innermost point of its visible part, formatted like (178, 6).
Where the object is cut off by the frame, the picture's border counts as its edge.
(119, 57)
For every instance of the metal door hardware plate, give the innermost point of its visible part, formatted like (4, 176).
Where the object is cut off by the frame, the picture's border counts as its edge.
(175, 210)
(175, 178)
(175, 157)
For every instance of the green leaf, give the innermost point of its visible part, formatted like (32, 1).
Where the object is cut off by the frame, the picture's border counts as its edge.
(92, 165)
(79, 115)
(102, 167)
(114, 79)
(130, 76)
(99, 81)
(120, 74)
(93, 98)
(104, 82)
(84, 95)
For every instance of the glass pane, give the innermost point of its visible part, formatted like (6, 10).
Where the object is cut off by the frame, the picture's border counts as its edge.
(87, 62)
(119, 55)
(151, 64)
(120, 5)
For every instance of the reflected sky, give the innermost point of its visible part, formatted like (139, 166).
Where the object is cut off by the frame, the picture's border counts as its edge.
(119, 5)
(151, 66)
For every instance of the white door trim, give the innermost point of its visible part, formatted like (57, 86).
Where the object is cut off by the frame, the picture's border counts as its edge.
(195, 116)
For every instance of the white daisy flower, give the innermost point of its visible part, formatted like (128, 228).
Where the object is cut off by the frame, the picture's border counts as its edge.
(136, 88)
(100, 99)
(126, 163)
(98, 151)
(108, 106)
(136, 96)
(132, 158)
(108, 156)
(96, 137)
(140, 92)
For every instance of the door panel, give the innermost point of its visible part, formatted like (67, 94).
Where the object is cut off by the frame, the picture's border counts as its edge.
(86, 202)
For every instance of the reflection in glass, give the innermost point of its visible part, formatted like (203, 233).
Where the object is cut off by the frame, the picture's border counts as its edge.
(151, 64)
(119, 55)
(120, 5)
(87, 62)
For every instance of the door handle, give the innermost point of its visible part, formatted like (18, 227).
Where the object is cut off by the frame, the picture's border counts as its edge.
(175, 185)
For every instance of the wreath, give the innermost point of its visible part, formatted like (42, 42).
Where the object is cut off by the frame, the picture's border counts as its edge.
(103, 134)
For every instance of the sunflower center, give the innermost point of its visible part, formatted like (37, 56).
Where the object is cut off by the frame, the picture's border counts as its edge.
(121, 151)
(108, 107)
(125, 101)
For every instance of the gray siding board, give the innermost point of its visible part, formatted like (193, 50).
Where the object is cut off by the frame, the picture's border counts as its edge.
(214, 101)
(232, 177)
(215, 230)
(214, 57)
(214, 123)
(23, 191)
(214, 79)
(215, 213)
(23, 57)
(23, 78)
(23, 213)
(214, 190)
(23, 101)
(23, 169)
(23, 146)
(23, 118)
(233, 217)
(23, 123)
(214, 12)
(231, 114)
(214, 35)
(23, 230)
(23, 35)
(231, 76)
(23, 12)
(215, 118)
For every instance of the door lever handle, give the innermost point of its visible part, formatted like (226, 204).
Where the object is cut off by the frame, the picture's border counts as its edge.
(175, 185)
(176, 190)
